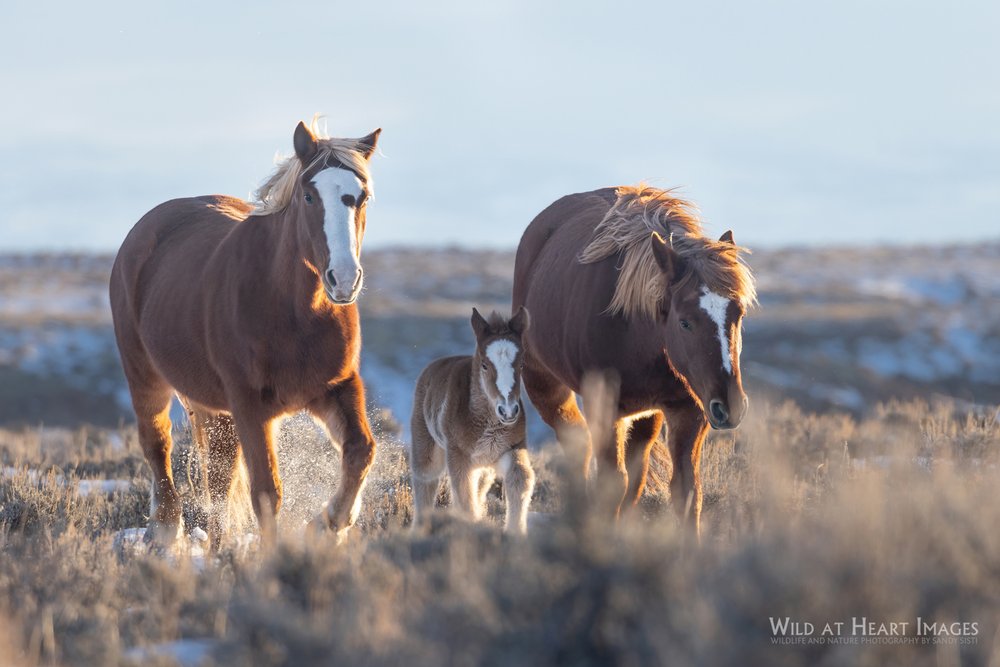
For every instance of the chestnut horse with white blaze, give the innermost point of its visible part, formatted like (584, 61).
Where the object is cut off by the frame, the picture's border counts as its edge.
(622, 282)
(248, 314)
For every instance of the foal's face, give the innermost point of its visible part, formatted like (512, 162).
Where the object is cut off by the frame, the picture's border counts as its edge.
(498, 362)
(703, 340)
(331, 206)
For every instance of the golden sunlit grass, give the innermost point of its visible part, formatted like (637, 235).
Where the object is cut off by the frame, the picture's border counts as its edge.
(817, 518)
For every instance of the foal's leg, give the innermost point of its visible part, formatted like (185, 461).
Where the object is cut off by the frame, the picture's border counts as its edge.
(343, 411)
(464, 487)
(485, 483)
(686, 430)
(426, 467)
(638, 445)
(518, 484)
(556, 404)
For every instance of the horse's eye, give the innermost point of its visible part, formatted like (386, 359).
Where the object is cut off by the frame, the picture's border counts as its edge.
(685, 325)
(485, 367)
(362, 199)
(309, 198)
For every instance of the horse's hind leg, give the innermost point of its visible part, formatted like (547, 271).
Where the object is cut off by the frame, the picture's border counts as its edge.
(426, 467)
(638, 446)
(215, 434)
(151, 402)
(556, 404)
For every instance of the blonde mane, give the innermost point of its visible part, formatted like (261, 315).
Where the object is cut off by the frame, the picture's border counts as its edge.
(627, 227)
(276, 192)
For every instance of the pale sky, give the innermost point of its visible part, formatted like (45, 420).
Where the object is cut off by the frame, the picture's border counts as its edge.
(789, 122)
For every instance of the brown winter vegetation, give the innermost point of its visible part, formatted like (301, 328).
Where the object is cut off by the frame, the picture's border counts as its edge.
(821, 518)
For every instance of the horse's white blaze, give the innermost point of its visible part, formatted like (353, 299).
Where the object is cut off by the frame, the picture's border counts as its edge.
(503, 353)
(338, 222)
(716, 306)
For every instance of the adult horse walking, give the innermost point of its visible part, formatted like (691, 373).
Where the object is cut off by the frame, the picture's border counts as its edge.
(622, 281)
(248, 313)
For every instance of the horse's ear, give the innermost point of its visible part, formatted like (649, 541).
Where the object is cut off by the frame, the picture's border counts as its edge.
(521, 321)
(670, 262)
(479, 325)
(727, 237)
(367, 144)
(305, 144)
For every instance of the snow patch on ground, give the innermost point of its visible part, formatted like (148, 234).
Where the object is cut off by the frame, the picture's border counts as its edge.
(84, 487)
(184, 652)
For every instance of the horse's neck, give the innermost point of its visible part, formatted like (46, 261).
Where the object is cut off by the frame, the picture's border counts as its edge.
(478, 403)
(287, 277)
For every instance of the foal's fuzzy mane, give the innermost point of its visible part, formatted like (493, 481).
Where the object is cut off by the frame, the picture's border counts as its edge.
(499, 325)
(627, 227)
(276, 192)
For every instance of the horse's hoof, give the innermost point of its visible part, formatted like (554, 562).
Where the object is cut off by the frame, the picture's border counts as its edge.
(321, 525)
(160, 536)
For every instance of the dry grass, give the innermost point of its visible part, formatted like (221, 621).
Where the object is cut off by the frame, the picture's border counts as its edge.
(821, 518)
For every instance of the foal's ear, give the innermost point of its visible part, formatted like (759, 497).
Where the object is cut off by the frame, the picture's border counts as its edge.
(305, 144)
(479, 325)
(520, 322)
(727, 237)
(670, 262)
(366, 144)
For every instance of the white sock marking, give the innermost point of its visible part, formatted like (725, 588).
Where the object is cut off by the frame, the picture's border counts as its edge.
(716, 305)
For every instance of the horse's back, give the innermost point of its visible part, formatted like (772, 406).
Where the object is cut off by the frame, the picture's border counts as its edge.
(442, 377)
(555, 237)
(178, 233)
(194, 224)
(157, 275)
(561, 293)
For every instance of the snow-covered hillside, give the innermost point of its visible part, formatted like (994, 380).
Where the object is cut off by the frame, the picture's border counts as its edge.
(837, 328)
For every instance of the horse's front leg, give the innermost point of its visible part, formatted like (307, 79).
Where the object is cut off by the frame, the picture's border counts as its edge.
(342, 410)
(686, 431)
(254, 427)
(518, 483)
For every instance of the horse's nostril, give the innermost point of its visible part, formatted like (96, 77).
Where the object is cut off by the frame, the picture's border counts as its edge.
(331, 278)
(515, 409)
(502, 411)
(358, 277)
(718, 411)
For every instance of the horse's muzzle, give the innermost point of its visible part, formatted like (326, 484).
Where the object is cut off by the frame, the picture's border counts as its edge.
(722, 418)
(508, 412)
(335, 291)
